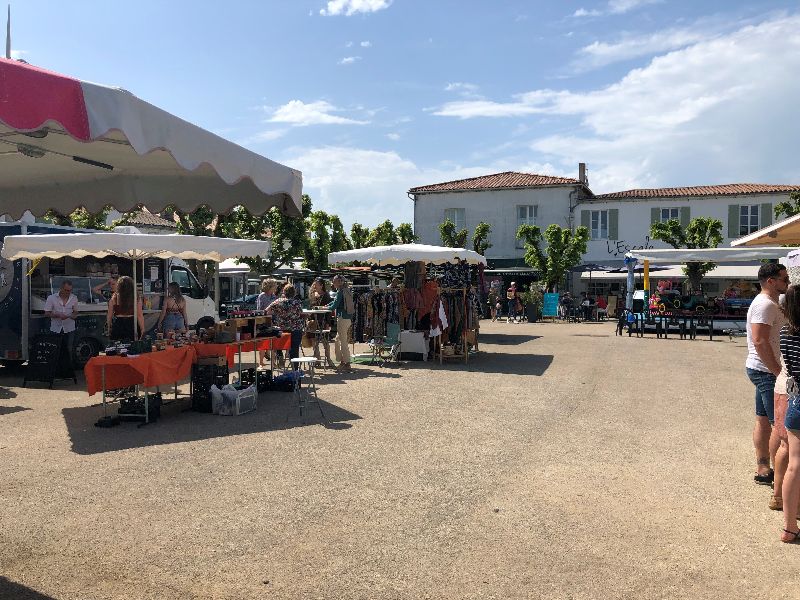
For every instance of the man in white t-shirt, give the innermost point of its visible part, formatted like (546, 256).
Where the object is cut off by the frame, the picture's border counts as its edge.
(62, 308)
(763, 365)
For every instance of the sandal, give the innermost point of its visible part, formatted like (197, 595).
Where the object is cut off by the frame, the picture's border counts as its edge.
(764, 479)
(795, 537)
(775, 503)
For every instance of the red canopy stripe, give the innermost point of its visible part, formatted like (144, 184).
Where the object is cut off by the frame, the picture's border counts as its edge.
(30, 96)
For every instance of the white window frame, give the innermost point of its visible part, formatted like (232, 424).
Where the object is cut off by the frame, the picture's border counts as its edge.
(532, 214)
(453, 213)
(749, 218)
(598, 229)
(669, 213)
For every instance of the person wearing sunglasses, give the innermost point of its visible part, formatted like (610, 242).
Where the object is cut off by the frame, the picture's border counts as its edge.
(763, 365)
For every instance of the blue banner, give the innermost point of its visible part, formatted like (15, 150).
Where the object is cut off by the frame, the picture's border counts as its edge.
(550, 308)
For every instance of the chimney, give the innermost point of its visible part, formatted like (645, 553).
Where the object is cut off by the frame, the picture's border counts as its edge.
(582, 174)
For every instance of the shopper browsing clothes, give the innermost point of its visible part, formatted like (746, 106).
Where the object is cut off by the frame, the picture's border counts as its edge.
(62, 308)
(343, 308)
(764, 322)
(790, 349)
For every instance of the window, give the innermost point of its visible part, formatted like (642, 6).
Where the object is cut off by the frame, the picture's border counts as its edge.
(667, 214)
(599, 224)
(187, 283)
(748, 218)
(457, 216)
(526, 215)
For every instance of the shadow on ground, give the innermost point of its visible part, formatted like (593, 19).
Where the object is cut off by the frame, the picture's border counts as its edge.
(7, 394)
(7, 410)
(9, 589)
(506, 339)
(276, 411)
(496, 362)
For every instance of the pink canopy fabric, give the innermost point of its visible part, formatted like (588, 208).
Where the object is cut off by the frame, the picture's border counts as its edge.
(66, 143)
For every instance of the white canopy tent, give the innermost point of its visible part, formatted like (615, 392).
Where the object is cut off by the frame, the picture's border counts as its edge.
(133, 246)
(782, 232)
(231, 267)
(66, 143)
(718, 255)
(400, 254)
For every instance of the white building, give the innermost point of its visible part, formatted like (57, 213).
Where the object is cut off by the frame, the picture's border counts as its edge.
(618, 221)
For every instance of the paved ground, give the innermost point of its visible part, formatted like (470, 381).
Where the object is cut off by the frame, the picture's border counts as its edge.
(563, 462)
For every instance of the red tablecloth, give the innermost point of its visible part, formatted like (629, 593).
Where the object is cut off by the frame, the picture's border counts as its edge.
(150, 369)
(231, 350)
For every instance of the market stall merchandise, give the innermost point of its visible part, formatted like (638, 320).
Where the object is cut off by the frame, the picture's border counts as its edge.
(438, 298)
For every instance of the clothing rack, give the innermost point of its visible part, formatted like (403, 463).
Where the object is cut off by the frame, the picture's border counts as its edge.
(438, 345)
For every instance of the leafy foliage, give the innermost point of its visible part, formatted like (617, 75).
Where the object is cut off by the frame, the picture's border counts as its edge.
(790, 208)
(701, 232)
(480, 239)
(450, 237)
(359, 235)
(382, 235)
(564, 251)
(84, 219)
(405, 234)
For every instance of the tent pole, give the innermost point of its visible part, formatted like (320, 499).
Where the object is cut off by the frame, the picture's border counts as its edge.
(216, 288)
(135, 311)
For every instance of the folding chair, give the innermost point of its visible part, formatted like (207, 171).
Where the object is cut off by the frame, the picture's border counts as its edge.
(386, 348)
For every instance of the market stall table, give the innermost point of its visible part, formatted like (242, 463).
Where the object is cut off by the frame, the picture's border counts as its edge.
(232, 349)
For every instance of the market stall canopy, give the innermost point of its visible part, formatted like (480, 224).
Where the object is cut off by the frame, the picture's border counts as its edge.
(684, 255)
(782, 232)
(676, 272)
(400, 254)
(129, 245)
(66, 143)
(231, 267)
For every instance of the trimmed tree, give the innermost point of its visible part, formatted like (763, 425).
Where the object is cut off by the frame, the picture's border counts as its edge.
(450, 237)
(480, 239)
(359, 235)
(405, 234)
(701, 232)
(564, 251)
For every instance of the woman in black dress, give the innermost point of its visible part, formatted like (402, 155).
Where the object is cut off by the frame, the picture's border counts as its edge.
(120, 313)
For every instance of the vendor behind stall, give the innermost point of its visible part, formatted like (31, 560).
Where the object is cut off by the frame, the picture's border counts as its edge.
(120, 312)
(62, 308)
(173, 313)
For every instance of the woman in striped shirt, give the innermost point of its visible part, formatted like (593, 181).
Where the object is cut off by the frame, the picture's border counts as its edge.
(790, 350)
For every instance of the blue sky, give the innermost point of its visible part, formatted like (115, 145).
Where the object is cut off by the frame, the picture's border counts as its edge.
(371, 97)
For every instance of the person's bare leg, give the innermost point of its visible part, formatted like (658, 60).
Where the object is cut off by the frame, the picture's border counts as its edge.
(774, 444)
(791, 488)
(761, 434)
(781, 463)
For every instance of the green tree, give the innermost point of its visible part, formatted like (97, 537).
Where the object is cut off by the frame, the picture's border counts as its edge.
(450, 237)
(84, 219)
(564, 251)
(789, 208)
(339, 239)
(359, 235)
(405, 234)
(701, 232)
(480, 239)
(319, 244)
(382, 235)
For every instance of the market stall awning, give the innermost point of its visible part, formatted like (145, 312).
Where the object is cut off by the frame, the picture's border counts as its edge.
(231, 267)
(684, 255)
(400, 254)
(676, 272)
(66, 143)
(129, 245)
(782, 232)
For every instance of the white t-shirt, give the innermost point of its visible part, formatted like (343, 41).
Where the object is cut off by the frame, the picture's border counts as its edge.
(763, 310)
(56, 305)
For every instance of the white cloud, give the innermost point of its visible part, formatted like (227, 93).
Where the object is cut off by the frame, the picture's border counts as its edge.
(366, 44)
(614, 7)
(298, 113)
(17, 54)
(719, 110)
(349, 60)
(348, 45)
(393, 136)
(467, 90)
(369, 186)
(352, 7)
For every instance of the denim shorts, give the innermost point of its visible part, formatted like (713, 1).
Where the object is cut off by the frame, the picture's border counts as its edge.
(792, 419)
(173, 321)
(765, 393)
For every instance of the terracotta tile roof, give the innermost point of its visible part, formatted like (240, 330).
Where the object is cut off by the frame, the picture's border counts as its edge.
(729, 189)
(145, 217)
(509, 179)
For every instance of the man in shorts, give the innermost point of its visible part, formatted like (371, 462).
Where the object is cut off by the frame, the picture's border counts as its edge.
(763, 365)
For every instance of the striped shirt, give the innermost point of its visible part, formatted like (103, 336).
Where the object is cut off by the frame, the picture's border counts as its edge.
(790, 349)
